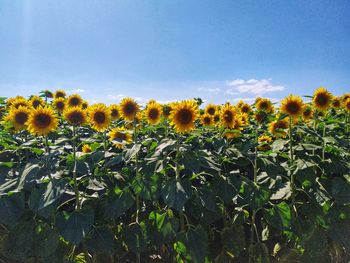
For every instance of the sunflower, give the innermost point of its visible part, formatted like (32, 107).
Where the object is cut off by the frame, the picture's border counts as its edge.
(74, 100)
(10, 101)
(347, 105)
(322, 99)
(231, 134)
(278, 127)
(345, 97)
(216, 118)
(99, 117)
(119, 137)
(336, 102)
(128, 109)
(59, 104)
(207, 119)
(245, 108)
(114, 108)
(184, 115)
(228, 114)
(264, 143)
(153, 113)
(86, 148)
(60, 94)
(211, 109)
(293, 106)
(42, 121)
(20, 101)
(84, 105)
(75, 116)
(307, 114)
(260, 116)
(48, 94)
(244, 119)
(18, 117)
(262, 104)
(166, 110)
(36, 101)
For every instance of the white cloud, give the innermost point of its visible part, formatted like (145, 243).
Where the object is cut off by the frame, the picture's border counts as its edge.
(209, 90)
(252, 86)
(76, 91)
(116, 97)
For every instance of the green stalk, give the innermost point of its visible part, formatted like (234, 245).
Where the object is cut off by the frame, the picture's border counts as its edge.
(292, 183)
(137, 173)
(323, 144)
(177, 171)
(76, 190)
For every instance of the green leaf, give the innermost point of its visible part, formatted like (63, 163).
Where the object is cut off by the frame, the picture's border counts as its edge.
(117, 203)
(176, 192)
(136, 237)
(11, 208)
(75, 226)
(233, 239)
(224, 188)
(30, 174)
(279, 216)
(130, 153)
(101, 239)
(45, 242)
(196, 241)
(341, 191)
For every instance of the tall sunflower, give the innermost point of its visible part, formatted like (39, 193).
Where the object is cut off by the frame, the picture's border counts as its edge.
(245, 108)
(153, 113)
(99, 117)
(59, 104)
(18, 117)
(119, 137)
(128, 109)
(114, 108)
(265, 105)
(184, 115)
(322, 99)
(207, 119)
(86, 148)
(336, 102)
(293, 106)
(60, 94)
(74, 100)
(166, 110)
(211, 109)
(37, 101)
(75, 116)
(278, 128)
(264, 143)
(307, 114)
(20, 101)
(347, 105)
(228, 114)
(42, 121)
(84, 105)
(10, 101)
(345, 97)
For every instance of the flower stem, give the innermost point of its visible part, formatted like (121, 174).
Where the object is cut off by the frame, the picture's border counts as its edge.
(291, 165)
(177, 171)
(76, 190)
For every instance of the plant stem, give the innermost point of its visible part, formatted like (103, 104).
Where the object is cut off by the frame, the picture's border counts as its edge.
(137, 173)
(76, 190)
(291, 165)
(323, 144)
(256, 157)
(177, 171)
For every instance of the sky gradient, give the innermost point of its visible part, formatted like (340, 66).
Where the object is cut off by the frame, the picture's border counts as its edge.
(174, 49)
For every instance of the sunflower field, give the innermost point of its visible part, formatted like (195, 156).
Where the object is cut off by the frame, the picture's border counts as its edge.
(175, 183)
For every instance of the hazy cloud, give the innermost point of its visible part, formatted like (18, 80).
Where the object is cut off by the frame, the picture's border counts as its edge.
(252, 86)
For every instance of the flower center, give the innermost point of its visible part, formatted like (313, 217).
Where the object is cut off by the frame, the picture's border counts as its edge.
(153, 114)
(21, 117)
(185, 116)
(42, 120)
(99, 117)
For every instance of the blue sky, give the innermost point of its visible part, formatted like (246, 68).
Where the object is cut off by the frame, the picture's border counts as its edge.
(174, 49)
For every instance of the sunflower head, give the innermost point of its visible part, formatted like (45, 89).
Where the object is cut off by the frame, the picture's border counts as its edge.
(114, 109)
(227, 115)
(216, 118)
(153, 113)
(184, 115)
(42, 121)
(99, 116)
(231, 134)
(119, 137)
(260, 116)
(128, 109)
(293, 106)
(244, 119)
(245, 108)
(20, 101)
(37, 101)
(10, 101)
(322, 99)
(263, 104)
(75, 116)
(84, 105)
(166, 110)
(336, 102)
(347, 105)
(211, 109)
(60, 94)
(264, 143)
(86, 148)
(207, 119)
(307, 113)
(59, 104)
(48, 94)
(278, 128)
(345, 97)
(18, 117)
(74, 100)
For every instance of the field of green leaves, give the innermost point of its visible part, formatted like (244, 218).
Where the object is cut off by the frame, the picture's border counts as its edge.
(180, 182)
